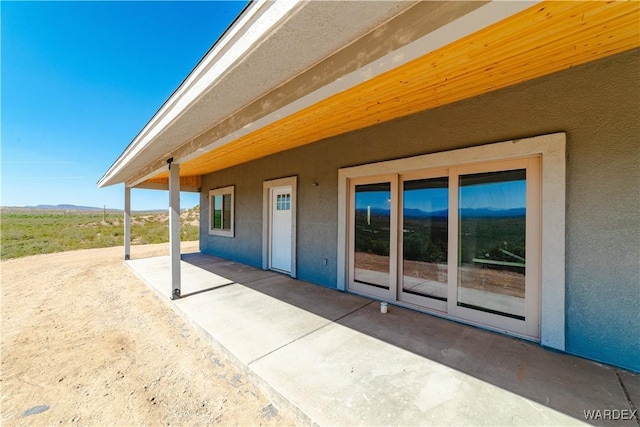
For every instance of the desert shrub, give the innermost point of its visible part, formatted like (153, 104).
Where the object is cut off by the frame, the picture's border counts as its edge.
(32, 233)
(189, 232)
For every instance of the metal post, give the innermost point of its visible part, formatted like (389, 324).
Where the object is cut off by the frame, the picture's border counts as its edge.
(127, 222)
(174, 227)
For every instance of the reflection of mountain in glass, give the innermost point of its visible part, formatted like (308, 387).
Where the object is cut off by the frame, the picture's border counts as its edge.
(493, 218)
(419, 213)
(466, 213)
(492, 213)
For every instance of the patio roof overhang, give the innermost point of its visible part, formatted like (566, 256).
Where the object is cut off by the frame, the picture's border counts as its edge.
(289, 74)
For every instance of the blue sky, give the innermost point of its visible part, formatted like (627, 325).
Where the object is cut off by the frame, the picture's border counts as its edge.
(79, 81)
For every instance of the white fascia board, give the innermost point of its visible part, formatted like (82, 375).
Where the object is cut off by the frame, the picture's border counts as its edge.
(470, 23)
(259, 19)
(476, 20)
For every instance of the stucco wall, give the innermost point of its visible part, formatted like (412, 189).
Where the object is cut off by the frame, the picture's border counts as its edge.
(597, 105)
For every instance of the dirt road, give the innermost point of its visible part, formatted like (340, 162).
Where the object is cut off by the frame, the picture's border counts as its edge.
(84, 342)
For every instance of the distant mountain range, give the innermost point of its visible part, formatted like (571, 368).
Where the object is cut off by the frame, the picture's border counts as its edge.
(419, 213)
(466, 213)
(66, 207)
(76, 208)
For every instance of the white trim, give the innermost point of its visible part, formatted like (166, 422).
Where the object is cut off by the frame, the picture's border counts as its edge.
(551, 149)
(267, 186)
(127, 223)
(230, 190)
(174, 229)
(476, 20)
(552, 298)
(344, 201)
(253, 24)
(534, 245)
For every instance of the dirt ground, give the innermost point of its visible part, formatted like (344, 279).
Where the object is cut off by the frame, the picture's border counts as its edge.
(84, 342)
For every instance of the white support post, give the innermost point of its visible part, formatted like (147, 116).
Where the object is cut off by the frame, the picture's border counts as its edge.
(174, 227)
(127, 222)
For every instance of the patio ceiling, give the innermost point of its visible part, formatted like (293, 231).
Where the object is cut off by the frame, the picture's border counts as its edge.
(539, 40)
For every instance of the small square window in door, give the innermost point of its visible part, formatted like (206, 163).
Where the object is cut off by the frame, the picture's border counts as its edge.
(283, 202)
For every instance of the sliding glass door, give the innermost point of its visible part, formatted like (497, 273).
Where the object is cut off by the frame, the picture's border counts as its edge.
(463, 241)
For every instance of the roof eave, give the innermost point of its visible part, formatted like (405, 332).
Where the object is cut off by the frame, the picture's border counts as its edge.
(263, 23)
(261, 16)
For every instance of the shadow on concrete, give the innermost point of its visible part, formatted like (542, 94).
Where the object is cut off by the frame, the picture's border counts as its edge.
(565, 383)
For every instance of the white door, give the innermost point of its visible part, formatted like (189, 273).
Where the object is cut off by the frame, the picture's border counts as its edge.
(280, 229)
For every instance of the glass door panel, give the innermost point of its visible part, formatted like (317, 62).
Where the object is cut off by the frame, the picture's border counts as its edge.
(425, 212)
(372, 234)
(491, 237)
(462, 241)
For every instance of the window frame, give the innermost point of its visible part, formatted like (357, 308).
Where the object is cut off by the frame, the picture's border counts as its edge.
(222, 191)
(552, 151)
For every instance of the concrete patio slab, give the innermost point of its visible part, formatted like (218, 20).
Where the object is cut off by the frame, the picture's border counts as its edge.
(236, 272)
(247, 322)
(631, 383)
(343, 377)
(320, 301)
(521, 367)
(153, 271)
(332, 358)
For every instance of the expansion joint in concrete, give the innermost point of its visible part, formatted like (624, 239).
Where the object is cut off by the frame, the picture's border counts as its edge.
(290, 342)
(309, 333)
(353, 311)
(632, 406)
(244, 282)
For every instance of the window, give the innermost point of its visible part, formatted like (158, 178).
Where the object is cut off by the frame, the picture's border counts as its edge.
(221, 211)
(283, 202)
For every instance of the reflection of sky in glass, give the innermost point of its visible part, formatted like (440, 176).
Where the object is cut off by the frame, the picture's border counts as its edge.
(375, 199)
(427, 200)
(497, 195)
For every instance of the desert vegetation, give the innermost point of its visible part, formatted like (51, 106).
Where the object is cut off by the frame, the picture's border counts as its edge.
(32, 232)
